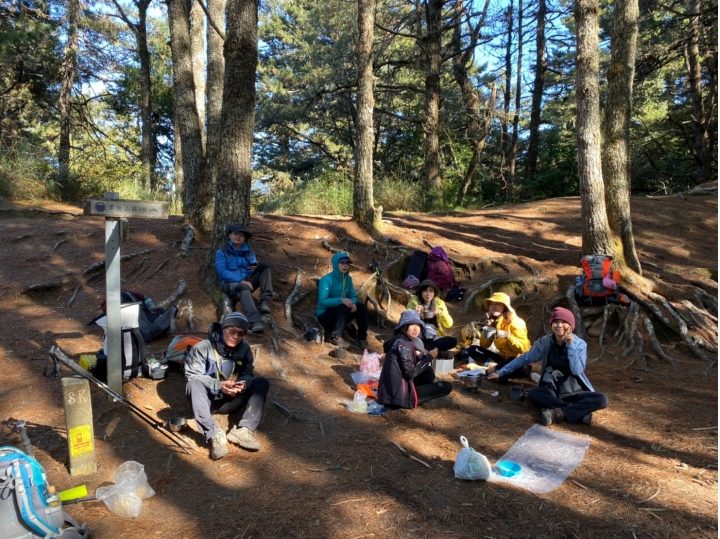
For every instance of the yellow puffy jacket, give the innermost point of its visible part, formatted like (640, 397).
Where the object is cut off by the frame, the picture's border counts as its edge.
(515, 343)
(444, 319)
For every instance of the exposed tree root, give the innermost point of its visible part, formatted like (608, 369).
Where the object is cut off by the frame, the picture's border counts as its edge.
(500, 279)
(72, 298)
(631, 333)
(57, 245)
(101, 264)
(327, 246)
(182, 287)
(650, 331)
(160, 266)
(579, 326)
(291, 297)
(189, 237)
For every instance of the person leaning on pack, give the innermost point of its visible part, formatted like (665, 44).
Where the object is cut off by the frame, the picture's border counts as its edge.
(220, 380)
(240, 275)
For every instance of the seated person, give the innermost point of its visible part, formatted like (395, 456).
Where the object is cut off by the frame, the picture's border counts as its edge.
(510, 338)
(220, 380)
(407, 379)
(563, 392)
(338, 303)
(240, 274)
(433, 311)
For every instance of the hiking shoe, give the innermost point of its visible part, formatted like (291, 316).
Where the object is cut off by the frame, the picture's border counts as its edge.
(219, 446)
(264, 306)
(364, 345)
(587, 419)
(336, 340)
(551, 415)
(257, 327)
(244, 437)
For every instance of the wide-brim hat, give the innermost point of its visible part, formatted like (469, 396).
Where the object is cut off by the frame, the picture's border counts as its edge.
(499, 297)
(238, 227)
(410, 317)
(427, 283)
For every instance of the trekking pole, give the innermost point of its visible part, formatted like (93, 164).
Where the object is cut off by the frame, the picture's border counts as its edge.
(57, 355)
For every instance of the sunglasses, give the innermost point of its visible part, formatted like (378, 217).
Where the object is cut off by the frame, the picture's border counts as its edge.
(235, 332)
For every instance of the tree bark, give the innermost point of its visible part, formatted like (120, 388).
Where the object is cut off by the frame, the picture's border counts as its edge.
(594, 224)
(618, 110)
(364, 212)
(214, 89)
(199, 63)
(195, 196)
(537, 94)
(507, 76)
(148, 153)
(433, 62)
(177, 161)
(232, 192)
(69, 69)
(518, 96)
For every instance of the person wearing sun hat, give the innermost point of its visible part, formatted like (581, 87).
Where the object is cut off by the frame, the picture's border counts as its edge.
(338, 303)
(220, 380)
(509, 338)
(564, 391)
(427, 300)
(407, 379)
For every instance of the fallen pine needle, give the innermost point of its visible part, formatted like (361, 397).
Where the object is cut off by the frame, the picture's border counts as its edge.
(578, 484)
(348, 501)
(381, 511)
(657, 517)
(706, 428)
(651, 509)
(408, 455)
(651, 497)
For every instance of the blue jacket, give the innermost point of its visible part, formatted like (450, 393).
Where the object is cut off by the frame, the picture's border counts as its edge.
(334, 286)
(233, 265)
(577, 356)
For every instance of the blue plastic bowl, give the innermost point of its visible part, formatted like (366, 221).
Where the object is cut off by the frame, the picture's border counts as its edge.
(508, 468)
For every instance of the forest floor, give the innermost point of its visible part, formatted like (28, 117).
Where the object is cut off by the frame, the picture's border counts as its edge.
(650, 470)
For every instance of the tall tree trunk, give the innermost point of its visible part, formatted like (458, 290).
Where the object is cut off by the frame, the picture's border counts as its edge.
(69, 69)
(232, 192)
(504, 135)
(594, 223)
(148, 153)
(195, 202)
(433, 61)
(694, 67)
(618, 110)
(364, 212)
(537, 94)
(518, 95)
(214, 89)
(199, 63)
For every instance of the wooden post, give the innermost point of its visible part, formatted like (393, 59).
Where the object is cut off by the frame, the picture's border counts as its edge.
(78, 419)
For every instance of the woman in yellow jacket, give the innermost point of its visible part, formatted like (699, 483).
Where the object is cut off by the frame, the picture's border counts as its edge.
(510, 337)
(434, 313)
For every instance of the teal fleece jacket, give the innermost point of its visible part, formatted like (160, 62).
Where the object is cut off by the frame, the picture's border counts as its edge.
(334, 286)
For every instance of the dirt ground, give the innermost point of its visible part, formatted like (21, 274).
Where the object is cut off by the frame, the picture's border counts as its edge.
(650, 471)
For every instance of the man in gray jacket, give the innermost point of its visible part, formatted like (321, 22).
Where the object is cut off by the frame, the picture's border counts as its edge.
(220, 380)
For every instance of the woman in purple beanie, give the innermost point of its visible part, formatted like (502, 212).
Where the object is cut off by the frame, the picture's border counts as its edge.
(563, 392)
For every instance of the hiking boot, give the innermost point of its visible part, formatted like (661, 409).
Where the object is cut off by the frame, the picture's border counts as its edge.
(587, 419)
(219, 445)
(264, 306)
(551, 415)
(336, 340)
(257, 327)
(244, 437)
(364, 345)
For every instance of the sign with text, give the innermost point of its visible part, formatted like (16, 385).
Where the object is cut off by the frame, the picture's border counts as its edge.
(125, 208)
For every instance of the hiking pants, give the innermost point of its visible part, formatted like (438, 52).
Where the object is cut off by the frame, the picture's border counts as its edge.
(443, 344)
(261, 278)
(335, 319)
(204, 405)
(427, 388)
(482, 356)
(575, 407)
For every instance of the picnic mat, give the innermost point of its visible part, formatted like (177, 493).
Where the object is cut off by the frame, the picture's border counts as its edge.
(547, 458)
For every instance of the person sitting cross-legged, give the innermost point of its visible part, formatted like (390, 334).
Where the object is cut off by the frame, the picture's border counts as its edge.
(240, 275)
(220, 380)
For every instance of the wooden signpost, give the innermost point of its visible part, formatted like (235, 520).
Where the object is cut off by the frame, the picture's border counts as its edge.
(114, 209)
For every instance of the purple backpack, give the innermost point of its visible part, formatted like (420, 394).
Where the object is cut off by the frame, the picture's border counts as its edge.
(439, 269)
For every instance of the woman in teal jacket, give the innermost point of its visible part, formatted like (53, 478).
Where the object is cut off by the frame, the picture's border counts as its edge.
(338, 303)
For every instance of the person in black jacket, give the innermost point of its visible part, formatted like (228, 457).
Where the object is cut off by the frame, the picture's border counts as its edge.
(220, 380)
(407, 379)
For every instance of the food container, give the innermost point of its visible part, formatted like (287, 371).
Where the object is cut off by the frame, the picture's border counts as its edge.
(472, 382)
(488, 332)
(508, 468)
(176, 424)
(427, 315)
(517, 393)
(440, 365)
(339, 352)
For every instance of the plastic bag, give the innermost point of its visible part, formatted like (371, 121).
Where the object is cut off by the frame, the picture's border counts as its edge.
(370, 363)
(471, 465)
(125, 497)
(358, 404)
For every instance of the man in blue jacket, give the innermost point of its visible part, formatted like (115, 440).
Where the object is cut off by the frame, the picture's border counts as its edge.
(240, 275)
(338, 303)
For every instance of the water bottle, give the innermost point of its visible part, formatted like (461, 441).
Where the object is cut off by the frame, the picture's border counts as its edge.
(54, 510)
(149, 303)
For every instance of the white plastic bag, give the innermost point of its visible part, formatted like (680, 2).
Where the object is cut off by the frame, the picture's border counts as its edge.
(358, 404)
(125, 497)
(471, 465)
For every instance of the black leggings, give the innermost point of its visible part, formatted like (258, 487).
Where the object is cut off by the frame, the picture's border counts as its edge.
(335, 319)
(575, 406)
(427, 388)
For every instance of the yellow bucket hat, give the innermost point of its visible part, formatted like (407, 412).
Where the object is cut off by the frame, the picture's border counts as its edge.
(499, 297)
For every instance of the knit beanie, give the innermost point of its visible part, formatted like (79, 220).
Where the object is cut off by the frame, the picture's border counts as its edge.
(560, 313)
(236, 320)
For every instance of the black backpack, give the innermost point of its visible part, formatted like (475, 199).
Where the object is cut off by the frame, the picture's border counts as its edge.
(153, 323)
(134, 357)
(417, 264)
